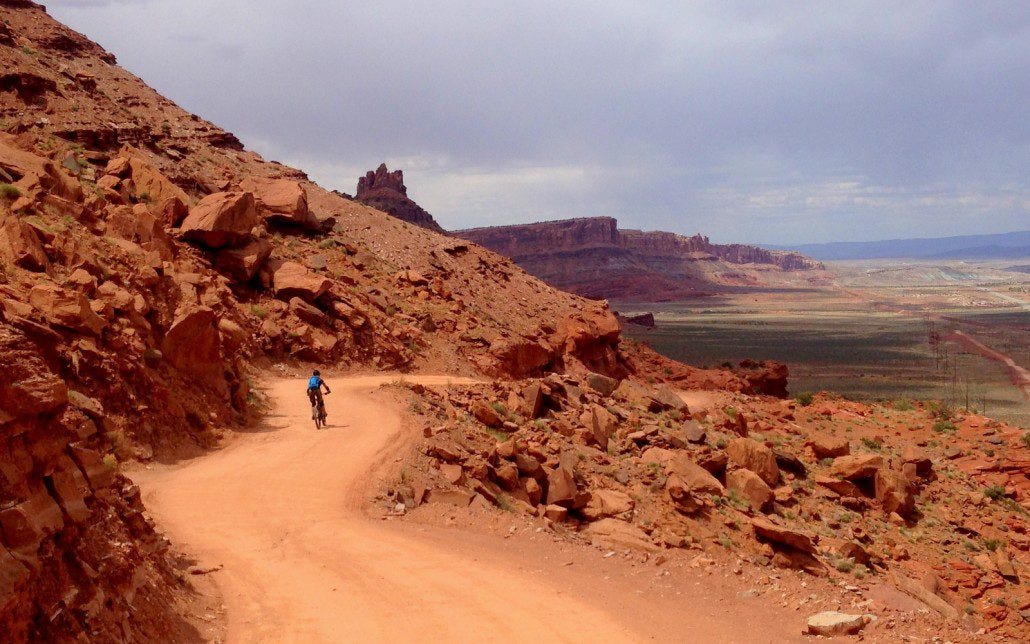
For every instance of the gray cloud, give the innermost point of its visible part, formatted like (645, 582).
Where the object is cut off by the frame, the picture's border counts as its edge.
(747, 121)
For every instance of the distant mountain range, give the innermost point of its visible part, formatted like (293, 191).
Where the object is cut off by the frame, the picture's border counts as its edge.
(1014, 245)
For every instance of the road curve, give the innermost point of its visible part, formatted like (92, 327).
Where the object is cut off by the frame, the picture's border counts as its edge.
(281, 511)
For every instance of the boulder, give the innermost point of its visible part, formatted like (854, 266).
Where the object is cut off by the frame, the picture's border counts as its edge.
(832, 623)
(893, 492)
(838, 486)
(192, 345)
(664, 398)
(752, 455)
(688, 485)
(21, 246)
(766, 530)
(243, 263)
(607, 503)
(307, 312)
(919, 459)
(601, 384)
(856, 466)
(561, 483)
(171, 211)
(601, 424)
(147, 183)
(69, 309)
(221, 219)
(291, 279)
(693, 432)
(280, 200)
(612, 533)
(750, 487)
(533, 396)
(828, 446)
(486, 414)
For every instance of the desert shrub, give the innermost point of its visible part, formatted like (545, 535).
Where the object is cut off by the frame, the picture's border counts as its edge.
(259, 311)
(1025, 439)
(944, 427)
(903, 405)
(804, 398)
(7, 191)
(872, 444)
(995, 492)
(941, 410)
(499, 408)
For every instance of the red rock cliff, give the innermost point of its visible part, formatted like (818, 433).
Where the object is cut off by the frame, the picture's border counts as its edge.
(593, 257)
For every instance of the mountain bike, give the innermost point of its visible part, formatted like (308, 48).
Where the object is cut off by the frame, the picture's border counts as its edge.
(318, 412)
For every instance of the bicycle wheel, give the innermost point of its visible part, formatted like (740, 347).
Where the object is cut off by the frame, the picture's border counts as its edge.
(317, 416)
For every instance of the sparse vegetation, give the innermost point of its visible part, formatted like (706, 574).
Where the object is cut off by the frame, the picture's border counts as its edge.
(944, 427)
(903, 405)
(804, 398)
(872, 444)
(9, 192)
(995, 492)
(259, 311)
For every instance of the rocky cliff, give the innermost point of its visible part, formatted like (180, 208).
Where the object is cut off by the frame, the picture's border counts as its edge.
(385, 190)
(593, 257)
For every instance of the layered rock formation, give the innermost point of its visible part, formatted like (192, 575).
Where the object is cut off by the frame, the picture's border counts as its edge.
(385, 190)
(593, 257)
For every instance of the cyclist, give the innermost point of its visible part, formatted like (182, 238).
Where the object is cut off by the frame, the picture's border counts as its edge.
(315, 386)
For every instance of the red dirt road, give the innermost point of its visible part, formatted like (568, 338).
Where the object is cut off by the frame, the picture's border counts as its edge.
(281, 511)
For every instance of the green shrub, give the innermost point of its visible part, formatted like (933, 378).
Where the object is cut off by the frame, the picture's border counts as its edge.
(804, 398)
(903, 405)
(872, 444)
(7, 191)
(995, 492)
(944, 427)
(259, 311)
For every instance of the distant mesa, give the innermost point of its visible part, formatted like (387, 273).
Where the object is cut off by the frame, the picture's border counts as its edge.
(385, 190)
(593, 257)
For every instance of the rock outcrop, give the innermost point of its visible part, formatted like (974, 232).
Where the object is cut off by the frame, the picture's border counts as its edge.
(385, 190)
(594, 258)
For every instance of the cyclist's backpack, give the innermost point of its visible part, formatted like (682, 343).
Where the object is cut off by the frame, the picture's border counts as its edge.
(314, 382)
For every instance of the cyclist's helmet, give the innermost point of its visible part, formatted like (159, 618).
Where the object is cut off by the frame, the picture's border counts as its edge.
(316, 373)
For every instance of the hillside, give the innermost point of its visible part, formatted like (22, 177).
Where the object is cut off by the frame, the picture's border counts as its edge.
(595, 258)
(1014, 245)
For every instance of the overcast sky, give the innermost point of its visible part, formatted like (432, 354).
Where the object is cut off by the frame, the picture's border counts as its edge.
(747, 121)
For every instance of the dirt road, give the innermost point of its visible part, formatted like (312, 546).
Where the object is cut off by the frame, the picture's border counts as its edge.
(280, 510)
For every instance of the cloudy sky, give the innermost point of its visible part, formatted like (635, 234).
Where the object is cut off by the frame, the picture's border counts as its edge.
(747, 121)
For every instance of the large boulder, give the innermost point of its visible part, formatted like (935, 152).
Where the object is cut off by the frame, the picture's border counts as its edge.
(291, 279)
(828, 446)
(766, 530)
(69, 309)
(689, 485)
(612, 533)
(561, 484)
(601, 424)
(280, 200)
(192, 345)
(243, 263)
(750, 487)
(28, 386)
(893, 492)
(221, 219)
(146, 183)
(752, 455)
(832, 623)
(607, 503)
(856, 466)
(21, 246)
